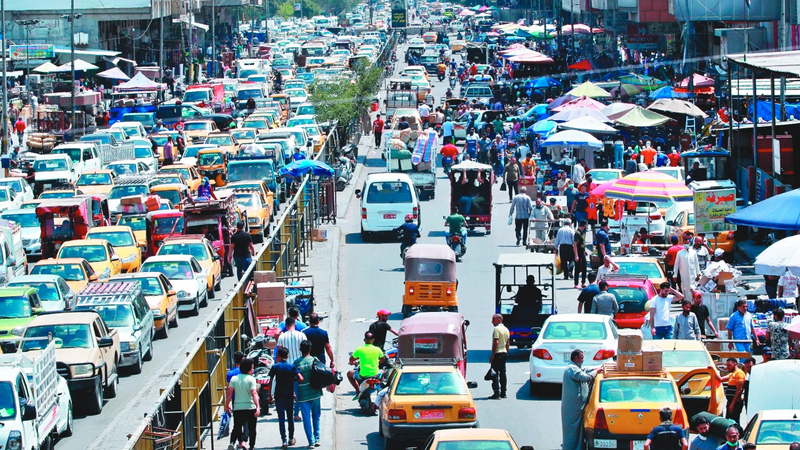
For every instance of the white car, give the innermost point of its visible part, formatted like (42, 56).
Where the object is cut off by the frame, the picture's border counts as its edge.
(595, 334)
(297, 95)
(130, 167)
(9, 199)
(132, 129)
(145, 154)
(31, 230)
(186, 276)
(20, 186)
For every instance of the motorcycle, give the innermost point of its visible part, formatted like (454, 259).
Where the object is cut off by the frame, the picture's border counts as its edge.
(368, 394)
(457, 242)
(447, 163)
(452, 81)
(344, 172)
(394, 56)
(438, 128)
(263, 362)
(441, 76)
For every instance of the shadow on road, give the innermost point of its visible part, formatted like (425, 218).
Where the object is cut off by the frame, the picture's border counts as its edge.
(374, 162)
(547, 391)
(437, 233)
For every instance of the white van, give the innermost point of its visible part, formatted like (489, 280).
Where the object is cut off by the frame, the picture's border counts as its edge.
(386, 198)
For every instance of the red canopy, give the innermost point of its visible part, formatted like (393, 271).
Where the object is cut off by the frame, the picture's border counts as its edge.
(581, 65)
(531, 57)
(699, 81)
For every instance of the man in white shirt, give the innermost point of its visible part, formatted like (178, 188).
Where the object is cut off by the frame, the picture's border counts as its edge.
(424, 112)
(609, 267)
(579, 171)
(688, 267)
(291, 339)
(787, 286)
(660, 320)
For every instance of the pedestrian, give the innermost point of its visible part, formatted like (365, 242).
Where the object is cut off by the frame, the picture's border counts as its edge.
(320, 342)
(703, 316)
(294, 312)
(541, 217)
(687, 268)
(787, 285)
(609, 267)
(587, 294)
(740, 327)
(19, 128)
(579, 171)
(308, 397)
(666, 435)
(703, 252)
(778, 335)
(237, 361)
(521, 208)
(704, 439)
(447, 130)
(380, 327)
(603, 242)
(500, 338)
(669, 257)
(243, 249)
(687, 326)
(245, 408)
(580, 205)
(660, 320)
(377, 128)
(604, 303)
(574, 394)
(565, 238)
(291, 339)
(284, 375)
(169, 152)
(511, 177)
(733, 391)
(579, 247)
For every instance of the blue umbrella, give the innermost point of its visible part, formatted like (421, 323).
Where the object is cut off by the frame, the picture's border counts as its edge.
(540, 111)
(542, 127)
(304, 166)
(781, 212)
(667, 92)
(545, 82)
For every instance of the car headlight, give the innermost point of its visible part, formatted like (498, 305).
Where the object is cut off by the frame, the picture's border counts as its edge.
(14, 441)
(17, 331)
(253, 220)
(82, 369)
(106, 274)
(129, 259)
(183, 294)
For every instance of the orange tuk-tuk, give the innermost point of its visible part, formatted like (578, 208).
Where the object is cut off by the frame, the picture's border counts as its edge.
(63, 219)
(162, 224)
(430, 272)
(432, 336)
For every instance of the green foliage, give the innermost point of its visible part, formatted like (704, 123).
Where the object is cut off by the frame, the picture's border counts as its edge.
(286, 10)
(345, 98)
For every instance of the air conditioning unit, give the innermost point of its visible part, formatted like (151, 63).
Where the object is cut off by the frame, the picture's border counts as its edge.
(81, 39)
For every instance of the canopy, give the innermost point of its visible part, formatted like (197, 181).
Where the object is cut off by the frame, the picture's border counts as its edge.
(667, 92)
(79, 65)
(616, 110)
(640, 117)
(575, 113)
(626, 90)
(46, 68)
(590, 90)
(677, 106)
(542, 82)
(560, 101)
(531, 57)
(471, 165)
(114, 73)
(543, 127)
(581, 65)
(304, 166)
(600, 191)
(781, 212)
(589, 125)
(140, 82)
(699, 81)
(582, 102)
(573, 138)
(779, 257)
(466, 12)
(649, 186)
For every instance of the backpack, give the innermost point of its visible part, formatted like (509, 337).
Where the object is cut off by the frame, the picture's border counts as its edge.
(321, 376)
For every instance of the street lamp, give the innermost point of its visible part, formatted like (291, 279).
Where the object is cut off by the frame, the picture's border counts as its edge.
(27, 24)
(71, 18)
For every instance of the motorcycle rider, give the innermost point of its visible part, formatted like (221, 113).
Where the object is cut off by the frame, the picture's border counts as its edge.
(369, 359)
(441, 68)
(410, 232)
(456, 223)
(449, 156)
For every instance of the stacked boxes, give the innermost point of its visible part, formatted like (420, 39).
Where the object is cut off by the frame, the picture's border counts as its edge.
(264, 276)
(652, 360)
(319, 235)
(629, 350)
(271, 300)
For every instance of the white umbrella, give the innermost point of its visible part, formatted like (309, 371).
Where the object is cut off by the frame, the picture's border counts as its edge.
(572, 138)
(79, 65)
(588, 124)
(46, 67)
(674, 105)
(617, 110)
(779, 257)
(114, 73)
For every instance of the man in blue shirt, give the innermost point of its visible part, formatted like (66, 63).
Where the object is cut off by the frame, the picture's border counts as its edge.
(297, 156)
(447, 131)
(283, 374)
(410, 233)
(603, 243)
(667, 435)
(740, 327)
(237, 359)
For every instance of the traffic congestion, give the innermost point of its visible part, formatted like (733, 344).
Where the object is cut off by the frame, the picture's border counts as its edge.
(630, 282)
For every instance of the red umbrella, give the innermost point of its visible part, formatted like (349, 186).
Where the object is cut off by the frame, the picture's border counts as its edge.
(699, 81)
(581, 65)
(600, 191)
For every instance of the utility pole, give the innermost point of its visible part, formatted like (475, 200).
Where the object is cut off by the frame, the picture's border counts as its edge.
(72, 64)
(27, 24)
(5, 84)
(213, 40)
(161, 48)
(266, 19)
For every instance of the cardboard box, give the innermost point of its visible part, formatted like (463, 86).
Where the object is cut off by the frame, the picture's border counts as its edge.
(630, 363)
(319, 235)
(271, 307)
(264, 276)
(652, 359)
(132, 200)
(723, 276)
(270, 291)
(630, 341)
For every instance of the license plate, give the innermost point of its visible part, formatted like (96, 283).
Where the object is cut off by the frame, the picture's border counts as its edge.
(605, 443)
(390, 216)
(430, 414)
(637, 445)
(48, 186)
(566, 357)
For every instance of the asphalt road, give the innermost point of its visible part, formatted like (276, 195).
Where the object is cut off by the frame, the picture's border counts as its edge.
(371, 278)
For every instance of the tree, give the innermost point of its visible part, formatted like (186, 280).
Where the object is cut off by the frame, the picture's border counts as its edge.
(346, 98)
(286, 10)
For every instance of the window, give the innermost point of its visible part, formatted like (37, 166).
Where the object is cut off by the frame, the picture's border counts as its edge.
(89, 179)
(168, 225)
(389, 192)
(637, 391)
(17, 307)
(630, 299)
(116, 238)
(114, 315)
(142, 152)
(473, 445)
(8, 408)
(431, 383)
(429, 269)
(137, 223)
(69, 272)
(640, 268)
(4, 195)
(91, 253)
(173, 195)
(50, 165)
(686, 358)
(65, 336)
(582, 331)
(175, 270)
(198, 250)
(219, 140)
(117, 192)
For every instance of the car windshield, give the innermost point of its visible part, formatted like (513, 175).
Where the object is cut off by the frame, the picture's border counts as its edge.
(198, 250)
(123, 168)
(575, 331)
(303, 121)
(202, 126)
(685, 358)
(142, 152)
(255, 124)
(24, 220)
(219, 140)
(91, 253)
(50, 165)
(783, 432)
(8, 409)
(65, 336)
(100, 137)
(389, 192)
(57, 194)
(630, 299)
(69, 272)
(431, 383)
(160, 139)
(173, 270)
(150, 285)
(118, 192)
(246, 199)
(172, 195)
(137, 223)
(637, 391)
(473, 445)
(12, 183)
(89, 179)
(48, 292)
(115, 316)
(181, 170)
(15, 307)
(599, 176)
(73, 153)
(168, 225)
(650, 269)
(243, 134)
(196, 95)
(115, 238)
(209, 159)
(245, 94)
(175, 179)
(252, 170)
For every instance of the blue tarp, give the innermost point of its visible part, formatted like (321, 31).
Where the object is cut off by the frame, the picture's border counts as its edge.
(781, 212)
(765, 109)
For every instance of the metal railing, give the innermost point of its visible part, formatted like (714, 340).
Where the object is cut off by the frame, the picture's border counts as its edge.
(184, 414)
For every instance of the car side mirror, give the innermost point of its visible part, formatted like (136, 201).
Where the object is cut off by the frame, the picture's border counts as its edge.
(670, 223)
(685, 390)
(29, 410)
(115, 258)
(472, 384)
(141, 243)
(466, 323)
(93, 277)
(37, 310)
(309, 144)
(171, 292)
(105, 342)
(526, 447)
(217, 257)
(358, 193)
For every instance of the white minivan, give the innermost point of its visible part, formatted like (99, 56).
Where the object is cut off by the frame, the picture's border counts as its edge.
(386, 198)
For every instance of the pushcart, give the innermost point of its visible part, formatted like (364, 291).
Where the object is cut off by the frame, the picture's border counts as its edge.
(327, 200)
(537, 244)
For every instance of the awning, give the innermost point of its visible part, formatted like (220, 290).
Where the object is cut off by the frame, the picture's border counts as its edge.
(115, 61)
(203, 27)
(785, 64)
(87, 51)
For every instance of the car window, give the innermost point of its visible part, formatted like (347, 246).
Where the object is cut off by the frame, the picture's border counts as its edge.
(650, 269)
(69, 272)
(176, 270)
(91, 253)
(65, 336)
(15, 307)
(116, 238)
(89, 179)
(575, 331)
(690, 219)
(685, 358)
(637, 391)
(198, 250)
(114, 315)
(431, 383)
(389, 192)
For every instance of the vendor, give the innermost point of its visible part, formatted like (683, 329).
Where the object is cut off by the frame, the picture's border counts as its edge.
(528, 166)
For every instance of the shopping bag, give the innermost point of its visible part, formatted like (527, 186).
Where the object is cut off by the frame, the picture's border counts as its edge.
(224, 426)
(558, 264)
(503, 186)
(510, 220)
(489, 375)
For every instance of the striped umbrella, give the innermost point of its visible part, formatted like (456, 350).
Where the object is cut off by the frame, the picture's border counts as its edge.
(648, 186)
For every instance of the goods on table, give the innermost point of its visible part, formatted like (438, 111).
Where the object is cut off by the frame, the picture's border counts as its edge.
(41, 141)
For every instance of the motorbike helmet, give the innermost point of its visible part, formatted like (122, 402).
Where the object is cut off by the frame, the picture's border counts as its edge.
(409, 218)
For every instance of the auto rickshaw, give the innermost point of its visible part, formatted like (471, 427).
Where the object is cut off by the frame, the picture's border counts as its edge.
(176, 193)
(525, 305)
(220, 217)
(472, 197)
(162, 224)
(212, 163)
(432, 336)
(430, 272)
(100, 211)
(62, 220)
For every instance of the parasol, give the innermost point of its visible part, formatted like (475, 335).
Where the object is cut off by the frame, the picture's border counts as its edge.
(542, 127)
(560, 101)
(575, 113)
(588, 124)
(304, 166)
(79, 65)
(667, 92)
(625, 90)
(600, 191)
(649, 186)
(572, 138)
(46, 68)
(677, 107)
(114, 73)
(699, 81)
(581, 102)
(640, 117)
(541, 83)
(616, 110)
(781, 212)
(590, 90)
(779, 257)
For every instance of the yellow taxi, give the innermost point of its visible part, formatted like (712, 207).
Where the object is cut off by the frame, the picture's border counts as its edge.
(267, 196)
(97, 181)
(77, 272)
(170, 178)
(197, 130)
(642, 265)
(177, 193)
(457, 45)
(684, 221)
(189, 173)
(98, 252)
(137, 223)
(474, 438)
(30, 204)
(225, 141)
(273, 115)
(199, 247)
(260, 124)
(422, 399)
(160, 296)
(259, 212)
(773, 429)
(125, 244)
(623, 406)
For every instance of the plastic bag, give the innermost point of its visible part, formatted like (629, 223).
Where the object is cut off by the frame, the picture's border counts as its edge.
(510, 220)
(224, 426)
(558, 264)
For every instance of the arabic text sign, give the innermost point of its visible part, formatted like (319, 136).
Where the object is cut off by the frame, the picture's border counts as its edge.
(710, 209)
(33, 51)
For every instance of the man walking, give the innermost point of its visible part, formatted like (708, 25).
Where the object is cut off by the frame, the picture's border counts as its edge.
(511, 177)
(308, 397)
(377, 128)
(380, 327)
(521, 205)
(687, 326)
(587, 295)
(703, 315)
(243, 249)
(541, 217)
(242, 391)
(687, 267)
(604, 303)
(740, 327)
(19, 128)
(574, 394)
(565, 238)
(447, 130)
(660, 320)
(169, 152)
(733, 391)
(500, 338)
(284, 375)
(320, 343)
(579, 247)
(667, 435)
(704, 439)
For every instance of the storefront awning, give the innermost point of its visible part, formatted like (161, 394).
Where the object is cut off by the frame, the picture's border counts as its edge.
(87, 51)
(786, 64)
(202, 26)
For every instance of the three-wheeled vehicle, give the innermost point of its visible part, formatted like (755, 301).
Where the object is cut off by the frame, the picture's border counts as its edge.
(430, 272)
(100, 212)
(212, 164)
(162, 224)
(220, 217)
(517, 300)
(177, 194)
(472, 196)
(434, 335)
(63, 219)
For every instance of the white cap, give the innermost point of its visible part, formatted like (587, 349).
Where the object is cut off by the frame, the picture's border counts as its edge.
(719, 252)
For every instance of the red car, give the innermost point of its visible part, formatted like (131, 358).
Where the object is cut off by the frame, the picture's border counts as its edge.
(632, 293)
